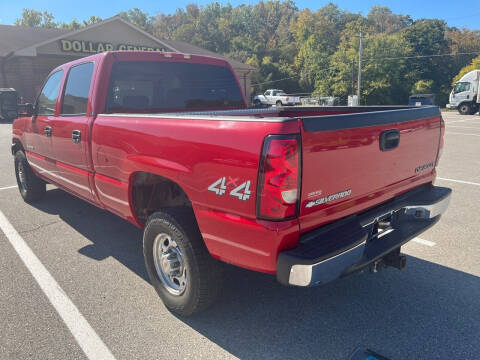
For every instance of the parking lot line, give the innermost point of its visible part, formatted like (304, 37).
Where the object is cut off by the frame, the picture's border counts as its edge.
(456, 133)
(424, 242)
(459, 181)
(84, 334)
(464, 127)
(457, 121)
(8, 187)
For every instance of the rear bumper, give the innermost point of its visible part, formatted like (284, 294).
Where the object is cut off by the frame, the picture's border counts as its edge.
(351, 244)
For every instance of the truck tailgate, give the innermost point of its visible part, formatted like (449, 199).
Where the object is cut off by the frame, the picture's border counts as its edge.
(355, 161)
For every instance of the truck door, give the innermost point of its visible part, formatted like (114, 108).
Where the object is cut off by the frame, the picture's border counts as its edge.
(268, 97)
(71, 135)
(463, 92)
(38, 140)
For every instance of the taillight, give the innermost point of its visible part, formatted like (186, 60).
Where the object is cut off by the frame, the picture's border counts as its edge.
(441, 141)
(279, 178)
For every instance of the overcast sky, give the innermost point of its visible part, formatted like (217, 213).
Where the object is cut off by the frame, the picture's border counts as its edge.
(456, 14)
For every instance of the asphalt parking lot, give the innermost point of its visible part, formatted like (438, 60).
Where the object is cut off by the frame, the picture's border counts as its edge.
(430, 310)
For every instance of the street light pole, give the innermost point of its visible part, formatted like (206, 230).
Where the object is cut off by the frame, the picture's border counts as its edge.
(359, 69)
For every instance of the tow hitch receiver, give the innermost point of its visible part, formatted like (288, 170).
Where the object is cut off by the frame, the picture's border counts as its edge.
(394, 259)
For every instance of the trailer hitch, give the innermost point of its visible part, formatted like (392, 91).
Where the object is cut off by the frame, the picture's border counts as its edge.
(393, 259)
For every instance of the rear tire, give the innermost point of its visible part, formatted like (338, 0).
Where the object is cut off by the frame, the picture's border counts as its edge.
(181, 269)
(278, 103)
(31, 187)
(473, 109)
(464, 109)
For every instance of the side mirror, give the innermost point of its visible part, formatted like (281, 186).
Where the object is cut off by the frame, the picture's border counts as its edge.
(25, 109)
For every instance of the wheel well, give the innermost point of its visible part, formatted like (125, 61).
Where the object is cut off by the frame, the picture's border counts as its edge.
(152, 192)
(16, 145)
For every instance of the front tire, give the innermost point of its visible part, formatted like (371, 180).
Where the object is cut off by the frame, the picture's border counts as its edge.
(181, 270)
(31, 187)
(464, 109)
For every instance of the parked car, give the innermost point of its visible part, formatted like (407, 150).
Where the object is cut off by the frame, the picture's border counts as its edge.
(8, 104)
(421, 99)
(276, 97)
(308, 194)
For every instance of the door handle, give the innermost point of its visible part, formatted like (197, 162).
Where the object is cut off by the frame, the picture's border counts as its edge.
(76, 136)
(48, 131)
(389, 139)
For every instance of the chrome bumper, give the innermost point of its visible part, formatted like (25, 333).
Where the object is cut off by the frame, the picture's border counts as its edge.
(340, 249)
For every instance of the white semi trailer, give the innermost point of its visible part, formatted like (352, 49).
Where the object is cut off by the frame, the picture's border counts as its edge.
(465, 95)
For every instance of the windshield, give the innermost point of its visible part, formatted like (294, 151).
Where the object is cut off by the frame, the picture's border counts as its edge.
(157, 86)
(461, 87)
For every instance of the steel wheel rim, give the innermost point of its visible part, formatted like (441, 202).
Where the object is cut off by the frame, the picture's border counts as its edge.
(169, 264)
(22, 181)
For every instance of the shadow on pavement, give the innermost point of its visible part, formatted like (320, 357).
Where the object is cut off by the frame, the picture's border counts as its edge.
(426, 311)
(110, 235)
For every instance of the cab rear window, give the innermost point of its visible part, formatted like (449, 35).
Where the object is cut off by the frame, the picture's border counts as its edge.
(161, 86)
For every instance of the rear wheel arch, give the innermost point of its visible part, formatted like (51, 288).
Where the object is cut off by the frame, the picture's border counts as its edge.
(16, 146)
(150, 192)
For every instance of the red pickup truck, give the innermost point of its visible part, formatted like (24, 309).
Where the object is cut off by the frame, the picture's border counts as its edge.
(166, 141)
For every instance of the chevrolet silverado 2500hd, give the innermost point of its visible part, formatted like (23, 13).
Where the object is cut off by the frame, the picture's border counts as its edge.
(165, 141)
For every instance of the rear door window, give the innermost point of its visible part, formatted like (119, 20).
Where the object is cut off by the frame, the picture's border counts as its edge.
(158, 86)
(47, 100)
(77, 88)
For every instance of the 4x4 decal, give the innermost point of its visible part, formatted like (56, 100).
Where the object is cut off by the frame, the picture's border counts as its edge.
(241, 191)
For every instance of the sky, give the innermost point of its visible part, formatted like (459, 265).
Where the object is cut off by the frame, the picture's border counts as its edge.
(456, 14)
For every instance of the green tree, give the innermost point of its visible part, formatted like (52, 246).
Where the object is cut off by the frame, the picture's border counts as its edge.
(427, 38)
(384, 21)
(474, 65)
(137, 17)
(383, 75)
(34, 18)
(423, 87)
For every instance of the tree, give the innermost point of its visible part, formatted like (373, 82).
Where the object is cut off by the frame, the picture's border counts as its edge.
(139, 18)
(34, 18)
(384, 21)
(91, 20)
(474, 65)
(422, 87)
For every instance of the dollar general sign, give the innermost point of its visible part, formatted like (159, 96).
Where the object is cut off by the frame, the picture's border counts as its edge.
(81, 46)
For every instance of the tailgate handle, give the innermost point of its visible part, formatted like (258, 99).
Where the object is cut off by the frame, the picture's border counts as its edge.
(389, 139)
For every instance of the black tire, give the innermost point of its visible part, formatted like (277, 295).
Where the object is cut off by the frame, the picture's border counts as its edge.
(473, 109)
(464, 109)
(204, 274)
(31, 187)
(278, 103)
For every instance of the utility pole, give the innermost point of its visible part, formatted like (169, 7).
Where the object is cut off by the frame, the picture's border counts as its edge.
(359, 69)
(353, 77)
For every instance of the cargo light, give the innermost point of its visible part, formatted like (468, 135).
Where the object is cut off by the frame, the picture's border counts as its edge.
(279, 178)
